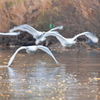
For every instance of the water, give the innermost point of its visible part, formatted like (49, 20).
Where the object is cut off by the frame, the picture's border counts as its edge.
(37, 77)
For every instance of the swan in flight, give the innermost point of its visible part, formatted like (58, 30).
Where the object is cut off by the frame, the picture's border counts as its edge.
(11, 34)
(67, 42)
(31, 49)
(35, 33)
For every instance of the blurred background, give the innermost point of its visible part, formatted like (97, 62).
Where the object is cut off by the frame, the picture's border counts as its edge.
(75, 15)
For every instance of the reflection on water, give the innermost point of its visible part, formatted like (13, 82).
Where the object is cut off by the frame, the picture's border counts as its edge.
(37, 77)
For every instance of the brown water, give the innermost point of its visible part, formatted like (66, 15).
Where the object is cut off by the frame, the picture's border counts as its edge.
(37, 77)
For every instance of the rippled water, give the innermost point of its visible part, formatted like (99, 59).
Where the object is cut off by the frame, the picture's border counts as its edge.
(37, 77)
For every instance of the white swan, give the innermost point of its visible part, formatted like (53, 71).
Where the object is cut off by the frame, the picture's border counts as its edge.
(11, 34)
(31, 49)
(35, 33)
(67, 42)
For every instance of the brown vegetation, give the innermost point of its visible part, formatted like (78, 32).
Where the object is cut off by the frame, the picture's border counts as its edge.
(75, 15)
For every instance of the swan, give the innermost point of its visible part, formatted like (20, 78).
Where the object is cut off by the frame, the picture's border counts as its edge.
(67, 42)
(31, 49)
(35, 33)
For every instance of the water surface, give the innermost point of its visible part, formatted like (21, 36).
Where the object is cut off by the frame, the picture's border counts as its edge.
(37, 77)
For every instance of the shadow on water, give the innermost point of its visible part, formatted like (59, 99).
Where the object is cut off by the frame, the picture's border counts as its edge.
(37, 77)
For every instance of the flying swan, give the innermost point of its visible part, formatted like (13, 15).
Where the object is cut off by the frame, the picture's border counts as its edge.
(35, 33)
(67, 42)
(31, 49)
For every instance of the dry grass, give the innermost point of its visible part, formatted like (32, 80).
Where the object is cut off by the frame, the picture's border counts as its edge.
(76, 15)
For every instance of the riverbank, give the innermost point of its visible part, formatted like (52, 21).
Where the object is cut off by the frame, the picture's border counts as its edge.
(76, 17)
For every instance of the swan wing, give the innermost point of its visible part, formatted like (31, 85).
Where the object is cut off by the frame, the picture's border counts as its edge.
(28, 29)
(13, 56)
(36, 34)
(45, 49)
(15, 28)
(89, 35)
(11, 34)
(58, 27)
(22, 29)
(56, 34)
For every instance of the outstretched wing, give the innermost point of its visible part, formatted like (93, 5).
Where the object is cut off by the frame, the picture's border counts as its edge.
(11, 34)
(36, 34)
(56, 34)
(22, 29)
(13, 56)
(58, 27)
(28, 29)
(89, 35)
(45, 49)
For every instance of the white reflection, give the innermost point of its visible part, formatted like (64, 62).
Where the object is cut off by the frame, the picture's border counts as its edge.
(11, 73)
